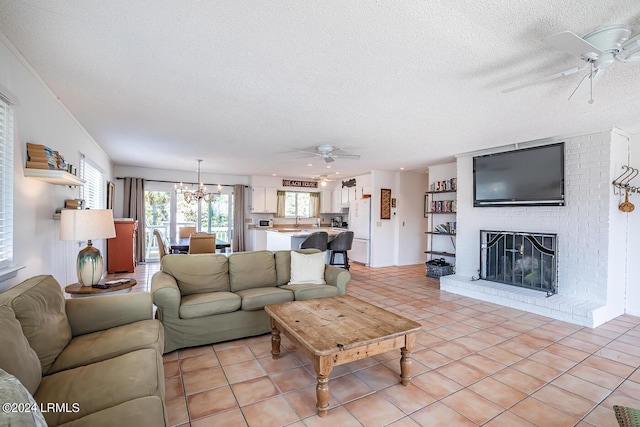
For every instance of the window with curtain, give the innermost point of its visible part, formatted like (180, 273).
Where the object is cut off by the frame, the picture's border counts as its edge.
(6, 184)
(93, 191)
(298, 203)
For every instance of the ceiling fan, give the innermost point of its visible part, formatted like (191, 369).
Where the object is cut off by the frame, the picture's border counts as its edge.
(599, 49)
(322, 179)
(329, 153)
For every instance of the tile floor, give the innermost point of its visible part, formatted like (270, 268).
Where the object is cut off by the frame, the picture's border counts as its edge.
(475, 364)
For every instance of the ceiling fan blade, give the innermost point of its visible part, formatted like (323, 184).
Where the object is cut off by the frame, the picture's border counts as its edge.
(547, 78)
(347, 156)
(630, 51)
(568, 42)
(328, 159)
(584, 87)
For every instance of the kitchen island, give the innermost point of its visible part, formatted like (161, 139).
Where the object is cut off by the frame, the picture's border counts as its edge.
(290, 238)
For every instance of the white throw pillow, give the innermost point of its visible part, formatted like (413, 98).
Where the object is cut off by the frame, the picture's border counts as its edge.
(307, 269)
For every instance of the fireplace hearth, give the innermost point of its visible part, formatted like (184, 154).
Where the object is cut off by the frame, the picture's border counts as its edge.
(526, 260)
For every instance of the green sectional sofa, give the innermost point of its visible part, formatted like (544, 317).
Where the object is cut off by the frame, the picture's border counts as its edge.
(93, 361)
(209, 298)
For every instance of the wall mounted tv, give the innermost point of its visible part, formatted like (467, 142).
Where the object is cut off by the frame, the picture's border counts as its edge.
(527, 177)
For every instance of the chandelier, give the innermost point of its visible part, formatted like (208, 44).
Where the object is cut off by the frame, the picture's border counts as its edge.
(199, 194)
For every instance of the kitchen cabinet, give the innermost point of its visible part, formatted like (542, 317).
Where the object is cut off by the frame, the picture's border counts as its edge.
(264, 200)
(326, 202)
(337, 200)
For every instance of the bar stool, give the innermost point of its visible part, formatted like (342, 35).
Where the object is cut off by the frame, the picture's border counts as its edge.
(340, 245)
(317, 240)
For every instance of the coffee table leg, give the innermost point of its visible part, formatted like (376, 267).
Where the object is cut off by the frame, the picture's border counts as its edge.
(405, 360)
(323, 367)
(275, 340)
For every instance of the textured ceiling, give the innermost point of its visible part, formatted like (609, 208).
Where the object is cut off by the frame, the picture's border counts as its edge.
(245, 84)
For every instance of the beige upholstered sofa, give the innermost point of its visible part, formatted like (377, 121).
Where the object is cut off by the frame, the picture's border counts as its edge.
(209, 298)
(94, 361)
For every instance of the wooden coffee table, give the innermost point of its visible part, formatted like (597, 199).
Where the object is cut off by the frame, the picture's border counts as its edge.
(336, 330)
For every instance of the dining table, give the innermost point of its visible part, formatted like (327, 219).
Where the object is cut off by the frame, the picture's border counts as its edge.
(182, 244)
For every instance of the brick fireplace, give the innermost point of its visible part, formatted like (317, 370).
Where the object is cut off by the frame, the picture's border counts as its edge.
(591, 266)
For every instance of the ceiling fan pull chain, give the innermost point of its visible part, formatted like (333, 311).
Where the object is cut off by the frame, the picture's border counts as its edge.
(591, 83)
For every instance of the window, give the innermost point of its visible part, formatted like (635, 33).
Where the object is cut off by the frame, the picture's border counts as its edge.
(298, 203)
(6, 185)
(93, 191)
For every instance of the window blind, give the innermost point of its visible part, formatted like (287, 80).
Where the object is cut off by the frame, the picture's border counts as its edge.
(93, 191)
(6, 185)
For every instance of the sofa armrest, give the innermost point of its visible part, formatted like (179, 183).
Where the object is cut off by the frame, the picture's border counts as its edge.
(166, 294)
(338, 277)
(93, 314)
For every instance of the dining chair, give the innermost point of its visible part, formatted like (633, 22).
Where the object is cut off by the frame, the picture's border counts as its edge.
(186, 231)
(317, 240)
(340, 245)
(202, 243)
(162, 246)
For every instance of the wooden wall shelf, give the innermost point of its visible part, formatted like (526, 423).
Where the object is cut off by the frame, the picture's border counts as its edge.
(57, 177)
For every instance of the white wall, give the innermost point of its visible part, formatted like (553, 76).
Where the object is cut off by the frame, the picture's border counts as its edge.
(633, 236)
(590, 229)
(42, 119)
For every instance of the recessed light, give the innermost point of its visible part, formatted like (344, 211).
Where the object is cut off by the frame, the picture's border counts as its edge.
(337, 173)
(401, 169)
(274, 174)
(328, 167)
(309, 164)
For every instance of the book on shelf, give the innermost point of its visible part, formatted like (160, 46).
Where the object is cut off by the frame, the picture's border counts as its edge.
(40, 165)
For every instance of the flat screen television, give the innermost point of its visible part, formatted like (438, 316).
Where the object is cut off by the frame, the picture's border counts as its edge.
(526, 177)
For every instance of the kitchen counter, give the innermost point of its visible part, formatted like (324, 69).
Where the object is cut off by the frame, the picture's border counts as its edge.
(281, 238)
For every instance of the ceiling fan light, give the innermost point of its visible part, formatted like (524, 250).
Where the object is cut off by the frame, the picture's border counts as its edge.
(323, 183)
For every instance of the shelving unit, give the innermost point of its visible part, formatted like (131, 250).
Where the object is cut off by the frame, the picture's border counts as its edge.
(57, 177)
(437, 248)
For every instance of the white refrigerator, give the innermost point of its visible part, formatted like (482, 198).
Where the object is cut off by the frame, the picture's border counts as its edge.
(360, 224)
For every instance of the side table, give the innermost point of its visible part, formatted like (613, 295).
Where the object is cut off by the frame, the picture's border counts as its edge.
(77, 290)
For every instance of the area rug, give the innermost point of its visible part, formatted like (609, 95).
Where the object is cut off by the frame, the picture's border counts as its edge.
(627, 417)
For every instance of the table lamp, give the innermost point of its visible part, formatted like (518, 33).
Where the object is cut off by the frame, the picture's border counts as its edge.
(87, 224)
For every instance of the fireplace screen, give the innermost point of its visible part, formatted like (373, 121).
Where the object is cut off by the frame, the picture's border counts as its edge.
(527, 260)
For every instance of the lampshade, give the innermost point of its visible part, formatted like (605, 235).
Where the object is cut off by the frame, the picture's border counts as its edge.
(86, 224)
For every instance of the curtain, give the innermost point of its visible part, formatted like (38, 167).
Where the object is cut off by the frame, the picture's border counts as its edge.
(314, 205)
(238, 218)
(281, 204)
(134, 208)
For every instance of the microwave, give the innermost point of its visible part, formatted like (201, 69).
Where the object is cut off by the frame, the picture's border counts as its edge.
(264, 223)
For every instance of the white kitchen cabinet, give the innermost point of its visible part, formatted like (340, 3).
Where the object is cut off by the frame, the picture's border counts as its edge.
(264, 200)
(337, 200)
(346, 196)
(326, 202)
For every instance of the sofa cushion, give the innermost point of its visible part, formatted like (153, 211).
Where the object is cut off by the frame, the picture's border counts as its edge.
(38, 304)
(283, 264)
(143, 412)
(102, 385)
(249, 270)
(12, 392)
(198, 273)
(307, 269)
(109, 343)
(303, 292)
(16, 357)
(257, 298)
(202, 305)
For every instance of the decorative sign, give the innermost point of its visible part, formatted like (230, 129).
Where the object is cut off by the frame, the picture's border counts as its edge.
(299, 184)
(385, 203)
(349, 183)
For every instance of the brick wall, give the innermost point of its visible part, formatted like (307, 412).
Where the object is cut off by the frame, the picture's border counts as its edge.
(582, 225)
